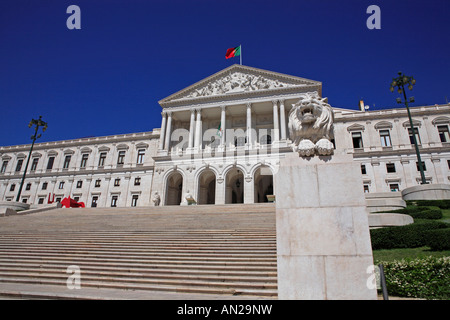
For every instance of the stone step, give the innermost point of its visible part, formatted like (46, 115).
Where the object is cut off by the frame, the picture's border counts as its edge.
(193, 249)
(75, 259)
(254, 269)
(43, 278)
(200, 254)
(224, 277)
(27, 265)
(147, 287)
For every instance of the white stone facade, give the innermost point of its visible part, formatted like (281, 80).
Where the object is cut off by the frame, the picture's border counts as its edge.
(221, 141)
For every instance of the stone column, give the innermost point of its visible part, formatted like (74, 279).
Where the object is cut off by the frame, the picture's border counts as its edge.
(198, 128)
(220, 190)
(163, 131)
(191, 129)
(276, 135)
(223, 125)
(168, 131)
(249, 190)
(282, 120)
(249, 124)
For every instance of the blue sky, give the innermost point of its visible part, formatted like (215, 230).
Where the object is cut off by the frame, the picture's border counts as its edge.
(108, 77)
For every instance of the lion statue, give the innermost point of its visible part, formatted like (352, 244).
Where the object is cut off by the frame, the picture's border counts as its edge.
(311, 126)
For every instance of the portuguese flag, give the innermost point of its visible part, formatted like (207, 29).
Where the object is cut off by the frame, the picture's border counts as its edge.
(233, 52)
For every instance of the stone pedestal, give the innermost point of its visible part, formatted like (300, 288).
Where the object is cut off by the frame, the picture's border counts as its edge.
(427, 192)
(323, 239)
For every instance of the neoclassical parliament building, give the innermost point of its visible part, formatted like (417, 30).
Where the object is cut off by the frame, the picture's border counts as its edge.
(221, 141)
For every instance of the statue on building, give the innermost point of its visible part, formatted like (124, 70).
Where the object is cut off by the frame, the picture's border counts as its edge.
(156, 199)
(311, 126)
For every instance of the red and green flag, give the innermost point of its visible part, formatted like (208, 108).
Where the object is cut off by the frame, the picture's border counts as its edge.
(233, 52)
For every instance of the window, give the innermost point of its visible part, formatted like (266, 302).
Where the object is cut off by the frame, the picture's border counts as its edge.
(34, 164)
(267, 139)
(394, 187)
(411, 137)
(19, 165)
(76, 199)
(140, 157)
(61, 185)
(97, 183)
(137, 181)
(385, 138)
(240, 141)
(121, 157)
(448, 164)
(390, 167)
(134, 200)
(114, 201)
(58, 199)
(366, 188)
(24, 200)
(50, 162)
(357, 140)
(363, 169)
(94, 201)
(13, 186)
(4, 165)
(84, 159)
(67, 161)
(79, 184)
(423, 166)
(44, 186)
(41, 200)
(117, 182)
(101, 160)
(444, 133)
(28, 187)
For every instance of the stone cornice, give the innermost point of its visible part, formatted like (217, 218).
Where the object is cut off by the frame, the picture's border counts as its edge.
(76, 173)
(400, 152)
(84, 141)
(392, 113)
(234, 101)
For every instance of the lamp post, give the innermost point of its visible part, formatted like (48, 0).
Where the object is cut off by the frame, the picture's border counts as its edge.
(38, 123)
(400, 82)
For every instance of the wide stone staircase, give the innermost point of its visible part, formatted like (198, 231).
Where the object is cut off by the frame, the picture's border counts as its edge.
(225, 250)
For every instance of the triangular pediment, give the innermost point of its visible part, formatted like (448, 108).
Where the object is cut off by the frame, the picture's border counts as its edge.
(239, 80)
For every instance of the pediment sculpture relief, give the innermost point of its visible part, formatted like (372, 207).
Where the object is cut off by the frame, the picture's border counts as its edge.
(237, 82)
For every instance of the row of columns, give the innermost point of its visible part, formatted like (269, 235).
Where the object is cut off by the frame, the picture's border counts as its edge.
(195, 134)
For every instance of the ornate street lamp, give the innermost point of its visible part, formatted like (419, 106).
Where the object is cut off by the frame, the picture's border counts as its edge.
(38, 123)
(400, 82)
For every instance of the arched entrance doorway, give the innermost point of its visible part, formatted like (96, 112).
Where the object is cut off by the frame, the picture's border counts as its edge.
(234, 192)
(206, 188)
(263, 184)
(174, 187)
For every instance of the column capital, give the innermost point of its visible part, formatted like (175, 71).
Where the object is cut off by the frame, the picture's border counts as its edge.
(198, 109)
(275, 103)
(223, 107)
(163, 114)
(192, 109)
(249, 105)
(169, 113)
(281, 102)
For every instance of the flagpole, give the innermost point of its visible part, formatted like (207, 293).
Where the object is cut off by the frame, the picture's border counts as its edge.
(241, 53)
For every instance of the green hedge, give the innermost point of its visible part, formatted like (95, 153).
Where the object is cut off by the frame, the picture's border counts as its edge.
(421, 212)
(409, 236)
(439, 239)
(443, 204)
(427, 278)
